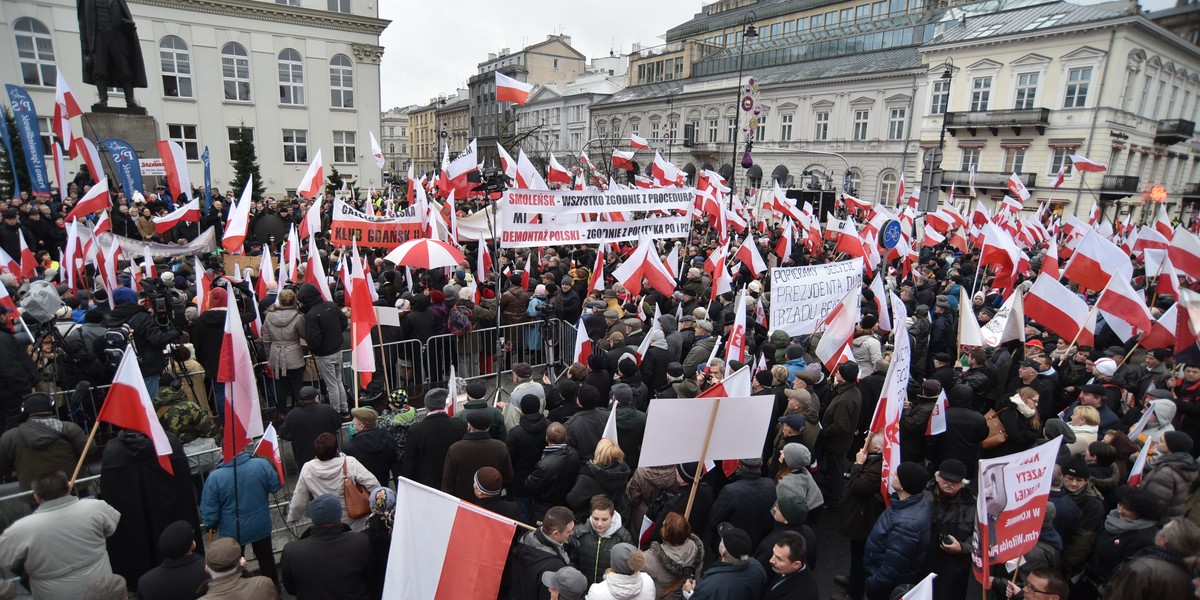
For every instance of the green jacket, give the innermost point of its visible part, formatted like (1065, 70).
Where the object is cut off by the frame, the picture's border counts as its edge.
(498, 431)
(183, 417)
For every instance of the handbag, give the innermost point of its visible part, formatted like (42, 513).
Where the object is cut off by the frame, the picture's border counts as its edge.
(996, 433)
(358, 498)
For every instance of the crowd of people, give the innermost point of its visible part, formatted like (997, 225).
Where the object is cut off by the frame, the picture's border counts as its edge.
(536, 451)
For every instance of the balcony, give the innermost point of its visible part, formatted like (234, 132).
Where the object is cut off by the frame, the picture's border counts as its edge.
(1013, 119)
(1125, 184)
(1173, 131)
(986, 179)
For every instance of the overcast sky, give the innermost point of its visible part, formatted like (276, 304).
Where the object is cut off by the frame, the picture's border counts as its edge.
(434, 47)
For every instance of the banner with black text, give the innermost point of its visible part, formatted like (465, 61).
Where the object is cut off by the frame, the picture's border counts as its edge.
(802, 296)
(350, 224)
(531, 218)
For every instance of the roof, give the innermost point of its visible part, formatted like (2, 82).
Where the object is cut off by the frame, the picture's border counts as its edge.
(703, 22)
(865, 63)
(1049, 16)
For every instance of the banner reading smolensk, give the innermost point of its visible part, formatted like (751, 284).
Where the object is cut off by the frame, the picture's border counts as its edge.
(534, 218)
(802, 296)
(350, 224)
(1013, 491)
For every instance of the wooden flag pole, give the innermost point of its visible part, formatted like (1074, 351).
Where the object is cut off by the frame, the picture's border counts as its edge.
(387, 383)
(1091, 315)
(712, 420)
(1130, 353)
(83, 455)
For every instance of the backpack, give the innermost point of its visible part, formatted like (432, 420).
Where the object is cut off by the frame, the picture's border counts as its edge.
(110, 347)
(458, 321)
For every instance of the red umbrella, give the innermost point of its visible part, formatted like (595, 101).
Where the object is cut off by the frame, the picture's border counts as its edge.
(425, 254)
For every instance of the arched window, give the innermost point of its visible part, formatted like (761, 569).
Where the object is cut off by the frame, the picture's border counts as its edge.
(291, 77)
(854, 182)
(176, 67)
(35, 51)
(889, 185)
(341, 81)
(235, 72)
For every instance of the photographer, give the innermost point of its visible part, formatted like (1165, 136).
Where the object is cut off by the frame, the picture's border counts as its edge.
(149, 338)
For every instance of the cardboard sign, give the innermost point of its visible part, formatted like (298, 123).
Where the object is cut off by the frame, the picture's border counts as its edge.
(802, 296)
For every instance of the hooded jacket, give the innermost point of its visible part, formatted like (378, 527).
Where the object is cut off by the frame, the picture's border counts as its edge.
(670, 328)
(375, 450)
(323, 321)
(208, 333)
(553, 478)
(525, 444)
(618, 586)
(867, 351)
(668, 566)
(282, 330)
(799, 481)
(533, 555)
(1168, 478)
(40, 445)
(591, 548)
(595, 479)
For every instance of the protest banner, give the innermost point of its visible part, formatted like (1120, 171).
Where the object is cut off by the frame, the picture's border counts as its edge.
(676, 200)
(1008, 322)
(551, 230)
(802, 296)
(675, 428)
(1013, 490)
(351, 225)
(532, 218)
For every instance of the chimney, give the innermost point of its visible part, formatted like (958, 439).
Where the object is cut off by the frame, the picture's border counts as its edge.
(491, 56)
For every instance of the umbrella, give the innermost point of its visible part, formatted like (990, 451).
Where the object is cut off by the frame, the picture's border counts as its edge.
(425, 254)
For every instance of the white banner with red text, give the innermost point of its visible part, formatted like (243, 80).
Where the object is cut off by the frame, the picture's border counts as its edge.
(530, 219)
(350, 224)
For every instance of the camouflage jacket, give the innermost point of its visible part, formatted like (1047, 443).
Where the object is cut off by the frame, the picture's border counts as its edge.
(183, 417)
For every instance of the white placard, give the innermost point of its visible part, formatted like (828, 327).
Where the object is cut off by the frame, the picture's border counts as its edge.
(675, 429)
(802, 296)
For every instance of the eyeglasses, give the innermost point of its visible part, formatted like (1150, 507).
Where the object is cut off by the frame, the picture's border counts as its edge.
(1029, 588)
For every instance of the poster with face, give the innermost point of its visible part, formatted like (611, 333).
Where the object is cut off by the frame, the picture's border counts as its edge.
(1011, 506)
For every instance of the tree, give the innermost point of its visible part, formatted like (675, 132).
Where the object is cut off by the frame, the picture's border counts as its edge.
(333, 183)
(245, 164)
(14, 163)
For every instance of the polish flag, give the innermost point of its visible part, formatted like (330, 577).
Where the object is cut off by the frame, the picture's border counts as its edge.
(1185, 252)
(1121, 304)
(1162, 223)
(665, 172)
(783, 249)
(736, 350)
(1168, 279)
(736, 385)
(268, 448)
(28, 260)
(459, 170)
(900, 190)
(1150, 238)
(243, 413)
(781, 204)
(881, 305)
(60, 170)
(1050, 261)
(1094, 215)
(839, 327)
(583, 345)
(622, 160)
(7, 302)
(937, 418)
(1017, 187)
(312, 185)
(1097, 260)
(1011, 205)
(1162, 332)
(506, 162)
(932, 238)
(644, 263)
(1082, 163)
(314, 273)
(970, 335)
(91, 157)
(363, 320)
(66, 107)
(239, 221)
(939, 221)
(638, 142)
(556, 173)
(528, 177)
(848, 241)
(854, 205)
(449, 550)
(293, 252)
(1139, 465)
(203, 284)
(266, 275)
(749, 255)
(188, 213)
(310, 225)
(95, 200)
(1058, 309)
(128, 406)
(175, 162)
(597, 280)
(511, 90)
(376, 151)
(1060, 178)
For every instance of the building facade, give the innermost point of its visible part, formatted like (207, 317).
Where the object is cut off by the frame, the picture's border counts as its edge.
(453, 121)
(302, 75)
(393, 140)
(422, 137)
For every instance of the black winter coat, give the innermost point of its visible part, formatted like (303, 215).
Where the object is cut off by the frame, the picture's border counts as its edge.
(174, 579)
(594, 479)
(965, 431)
(208, 331)
(328, 561)
(746, 504)
(552, 478)
(525, 443)
(584, 430)
(18, 373)
(531, 556)
(149, 337)
(654, 372)
(429, 440)
(376, 451)
(303, 424)
(323, 322)
(864, 501)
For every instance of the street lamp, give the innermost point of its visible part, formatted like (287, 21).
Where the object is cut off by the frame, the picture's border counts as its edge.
(929, 199)
(750, 32)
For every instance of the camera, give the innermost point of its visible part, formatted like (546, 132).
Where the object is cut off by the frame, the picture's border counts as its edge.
(159, 298)
(492, 180)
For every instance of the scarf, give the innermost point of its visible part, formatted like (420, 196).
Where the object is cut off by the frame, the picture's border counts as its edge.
(1115, 524)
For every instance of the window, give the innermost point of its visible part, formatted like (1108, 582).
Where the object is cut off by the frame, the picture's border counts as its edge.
(1044, 21)
(341, 81)
(1078, 80)
(342, 6)
(1061, 159)
(288, 2)
(818, 21)
(970, 158)
(941, 97)
(847, 16)
(46, 128)
(785, 128)
(1026, 90)
(802, 24)
(1014, 160)
(295, 145)
(185, 136)
(896, 123)
(712, 131)
(35, 52)
(176, 67)
(731, 128)
(898, 6)
(235, 135)
(889, 186)
(556, 63)
(981, 92)
(343, 147)
(822, 132)
(861, 117)
(1146, 83)
(863, 12)
(672, 129)
(831, 18)
(878, 9)
(291, 77)
(235, 72)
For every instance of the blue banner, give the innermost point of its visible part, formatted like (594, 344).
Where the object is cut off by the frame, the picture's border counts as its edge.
(207, 181)
(8, 148)
(128, 167)
(25, 116)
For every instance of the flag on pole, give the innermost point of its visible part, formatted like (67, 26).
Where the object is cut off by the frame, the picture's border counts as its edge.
(1082, 163)
(238, 224)
(268, 448)
(376, 151)
(95, 200)
(1139, 465)
(363, 320)
(66, 107)
(312, 185)
(638, 142)
(128, 406)
(512, 90)
(175, 162)
(243, 413)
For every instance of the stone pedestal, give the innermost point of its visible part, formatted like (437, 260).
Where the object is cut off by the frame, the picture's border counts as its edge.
(139, 131)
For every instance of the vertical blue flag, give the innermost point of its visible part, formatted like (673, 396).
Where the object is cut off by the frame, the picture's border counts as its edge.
(25, 116)
(8, 148)
(207, 181)
(128, 167)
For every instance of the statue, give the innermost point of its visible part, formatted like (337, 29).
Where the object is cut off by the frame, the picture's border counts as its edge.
(108, 41)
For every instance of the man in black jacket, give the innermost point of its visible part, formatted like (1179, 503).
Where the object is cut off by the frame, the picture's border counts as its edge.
(373, 447)
(794, 580)
(328, 561)
(525, 444)
(541, 551)
(585, 428)
(182, 570)
(150, 339)
(309, 419)
(554, 475)
(966, 428)
(424, 455)
(323, 327)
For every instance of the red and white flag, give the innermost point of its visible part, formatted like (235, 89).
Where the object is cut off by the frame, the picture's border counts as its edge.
(638, 142)
(239, 221)
(1150, 238)
(362, 321)
(1059, 310)
(28, 260)
(95, 200)
(1162, 332)
(128, 405)
(1097, 260)
(243, 413)
(1124, 309)
(512, 90)
(748, 254)
(969, 333)
(556, 173)
(900, 190)
(84, 148)
(1050, 261)
(1017, 187)
(187, 213)
(448, 550)
(839, 327)
(1059, 178)
(66, 107)
(881, 302)
(268, 448)
(1184, 252)
(597, 278)
(1162, 223)
(1082, 163)
(312, 185)
(644, 263)
(783, 249)
(314, 271)
(376, 151)
(203, 284)
(622, 160)
(1139, 465)
(583, 345)
(736, 349)
(175, 162)
(528, 177)
(1013, 491)
(937, 418)
(60, 171)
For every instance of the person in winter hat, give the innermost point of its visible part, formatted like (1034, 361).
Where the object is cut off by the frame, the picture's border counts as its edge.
(625, 579)
(799, 482)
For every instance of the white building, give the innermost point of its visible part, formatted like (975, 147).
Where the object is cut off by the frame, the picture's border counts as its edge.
(303, 74)
(557, 118)
(393, 140)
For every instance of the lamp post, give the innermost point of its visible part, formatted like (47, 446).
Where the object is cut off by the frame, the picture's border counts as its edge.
(929, 199)
(750, 32)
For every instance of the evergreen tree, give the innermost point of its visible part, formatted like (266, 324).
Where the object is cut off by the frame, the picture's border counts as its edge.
(333, 183)
(16, 162)
(245, 163)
